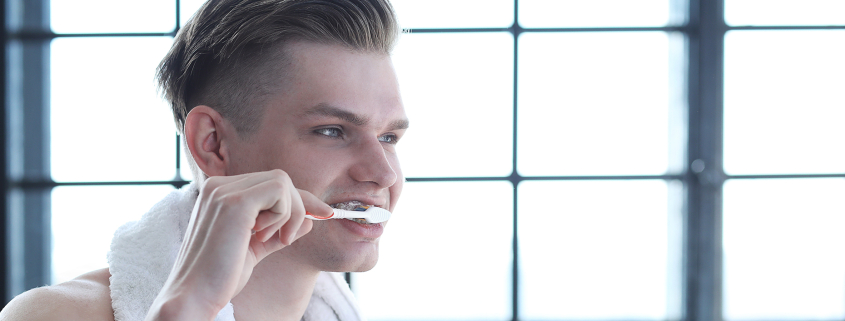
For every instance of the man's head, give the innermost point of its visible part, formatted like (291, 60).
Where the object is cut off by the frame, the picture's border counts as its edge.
(304, 86)
(233, 54)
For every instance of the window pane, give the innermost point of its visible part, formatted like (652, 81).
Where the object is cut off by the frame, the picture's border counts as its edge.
(593, 13)
(783, 245)
(85, 219)
(785, 12)
(110, 16)
(187, 9)
(458, 94)
(453, 13)
(599, 250)
(428, 13)
(107, 122)
(458, 264)
(784, 102)
(594, 103)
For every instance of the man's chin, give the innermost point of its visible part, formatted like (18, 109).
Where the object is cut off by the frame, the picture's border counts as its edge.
(361, 266)
(351, 262)
(365, 268)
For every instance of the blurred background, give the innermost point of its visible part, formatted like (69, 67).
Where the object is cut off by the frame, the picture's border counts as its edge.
(567, 159)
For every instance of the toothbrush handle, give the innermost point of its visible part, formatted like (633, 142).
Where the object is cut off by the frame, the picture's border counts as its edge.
(308, 215)
(338, 213)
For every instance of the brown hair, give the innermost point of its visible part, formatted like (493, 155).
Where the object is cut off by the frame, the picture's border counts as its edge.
(231, 54)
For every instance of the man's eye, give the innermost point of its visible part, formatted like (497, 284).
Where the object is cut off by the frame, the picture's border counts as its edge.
(389, 138)
(330, 131)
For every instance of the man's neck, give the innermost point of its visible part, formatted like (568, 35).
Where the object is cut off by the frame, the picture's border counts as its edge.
(279, 289)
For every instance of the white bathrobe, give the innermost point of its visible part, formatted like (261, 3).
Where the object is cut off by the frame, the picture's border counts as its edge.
(143, 252)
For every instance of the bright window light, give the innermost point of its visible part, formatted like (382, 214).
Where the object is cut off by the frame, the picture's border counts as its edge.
(593, 13)
(454, 13)
(458, 94)
(784, 12)
(112, 16)
(594, 103)
(107, 123)
(783, 246)
(784, 102)
(593, 250)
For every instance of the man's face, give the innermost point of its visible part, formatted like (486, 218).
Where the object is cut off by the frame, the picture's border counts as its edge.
(333, 129)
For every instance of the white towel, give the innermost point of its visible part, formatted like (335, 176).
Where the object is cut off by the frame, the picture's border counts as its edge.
(143, 252)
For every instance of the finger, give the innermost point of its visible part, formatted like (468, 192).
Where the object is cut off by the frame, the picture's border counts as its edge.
(314, 204)
(306, 227)
(261, 191)
(276, 221)
(263, 249)
(269, 200)
(311, 204)
(297, 216)
(282, 207)
(289, 220)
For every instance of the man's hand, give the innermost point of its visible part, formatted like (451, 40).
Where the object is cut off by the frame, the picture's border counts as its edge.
(237, 221)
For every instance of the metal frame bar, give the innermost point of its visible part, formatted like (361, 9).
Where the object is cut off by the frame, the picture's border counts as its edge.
(703, 290)
(4, 190)
(27, 214)
(514, 178)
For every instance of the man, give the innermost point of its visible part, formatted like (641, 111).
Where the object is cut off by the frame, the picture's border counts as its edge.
(286, 106)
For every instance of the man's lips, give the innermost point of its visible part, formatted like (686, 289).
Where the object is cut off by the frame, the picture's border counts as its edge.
(368, 231)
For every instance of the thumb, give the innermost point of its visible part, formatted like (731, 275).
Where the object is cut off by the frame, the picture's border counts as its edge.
(313, 204)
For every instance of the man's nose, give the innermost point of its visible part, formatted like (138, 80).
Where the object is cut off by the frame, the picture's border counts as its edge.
(372, 164)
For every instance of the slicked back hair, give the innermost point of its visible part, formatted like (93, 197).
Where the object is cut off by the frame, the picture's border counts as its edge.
(231, 55)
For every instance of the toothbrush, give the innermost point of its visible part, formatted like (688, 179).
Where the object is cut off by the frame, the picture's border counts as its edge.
(371, 214)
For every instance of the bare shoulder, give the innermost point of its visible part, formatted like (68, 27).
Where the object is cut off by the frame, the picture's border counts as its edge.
(83, 298)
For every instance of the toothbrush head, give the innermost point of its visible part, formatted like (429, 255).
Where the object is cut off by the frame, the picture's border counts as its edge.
(368, 213)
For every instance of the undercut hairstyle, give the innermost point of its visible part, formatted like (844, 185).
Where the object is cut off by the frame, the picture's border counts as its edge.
(231, 55)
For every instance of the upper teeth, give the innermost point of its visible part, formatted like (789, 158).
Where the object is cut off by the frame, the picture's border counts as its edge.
(348, 206)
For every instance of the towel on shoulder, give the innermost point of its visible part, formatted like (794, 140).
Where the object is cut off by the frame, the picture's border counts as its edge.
(143, 253)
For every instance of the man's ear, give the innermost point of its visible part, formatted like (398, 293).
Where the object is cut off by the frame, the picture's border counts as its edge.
(206, 133)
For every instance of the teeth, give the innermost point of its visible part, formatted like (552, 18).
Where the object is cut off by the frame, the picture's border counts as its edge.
(352, 206)
(348, 206)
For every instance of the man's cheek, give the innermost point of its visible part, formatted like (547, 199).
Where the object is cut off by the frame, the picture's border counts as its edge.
(395, 192)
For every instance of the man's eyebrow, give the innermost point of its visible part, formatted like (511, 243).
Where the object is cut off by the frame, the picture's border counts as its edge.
(399, 124)
(324, 109)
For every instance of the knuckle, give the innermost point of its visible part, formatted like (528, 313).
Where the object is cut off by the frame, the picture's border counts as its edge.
(280, 175)
(278, 184)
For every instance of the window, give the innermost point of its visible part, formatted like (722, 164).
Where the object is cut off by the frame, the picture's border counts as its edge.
(604, 160)
(783, 206)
